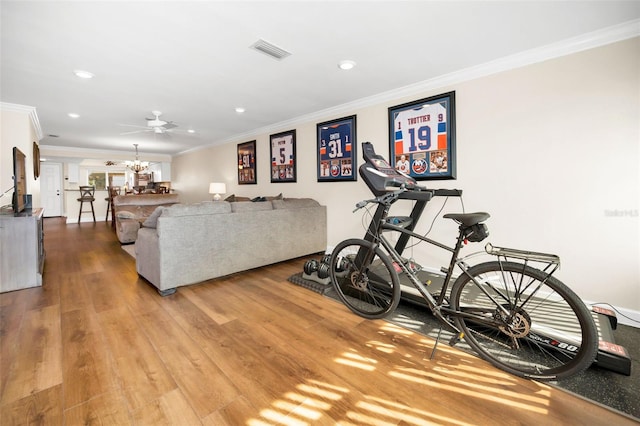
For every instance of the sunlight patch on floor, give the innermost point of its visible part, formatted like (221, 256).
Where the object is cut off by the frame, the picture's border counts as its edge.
(463, 387)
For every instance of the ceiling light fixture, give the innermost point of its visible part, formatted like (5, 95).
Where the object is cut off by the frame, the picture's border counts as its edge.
(191, 131)
(346, 65)
(83, 74)
(240, 110)
(73, 115)
(137, 166)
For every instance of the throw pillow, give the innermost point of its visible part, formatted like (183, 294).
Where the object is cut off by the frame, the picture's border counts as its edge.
(152, 220)
(277, 197)
(125, 214)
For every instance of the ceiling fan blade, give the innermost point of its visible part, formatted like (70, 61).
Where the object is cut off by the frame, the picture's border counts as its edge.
(132, 125)
(135, 131)
(170, 125)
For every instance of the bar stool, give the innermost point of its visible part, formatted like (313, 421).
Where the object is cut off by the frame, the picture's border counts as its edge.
(87, 195)
(112, 192)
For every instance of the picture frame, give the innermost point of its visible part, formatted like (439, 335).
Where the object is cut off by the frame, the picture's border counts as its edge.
(282, 152)
(422, 137)
(36, 160)
(337, 150)
(247, 163)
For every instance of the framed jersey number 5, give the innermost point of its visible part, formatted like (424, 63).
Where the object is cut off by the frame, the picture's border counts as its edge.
(422, 137)
(337, 150)
(283, 157)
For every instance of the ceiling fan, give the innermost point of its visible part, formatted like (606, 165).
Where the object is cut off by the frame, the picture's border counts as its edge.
(155, 125)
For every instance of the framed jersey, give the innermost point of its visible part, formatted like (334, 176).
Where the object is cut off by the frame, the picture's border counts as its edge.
(283, 156)
(422, 138)
(247, 163)
(336, 150)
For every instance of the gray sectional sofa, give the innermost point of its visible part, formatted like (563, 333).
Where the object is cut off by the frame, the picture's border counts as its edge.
(189, 243)
(131, 211)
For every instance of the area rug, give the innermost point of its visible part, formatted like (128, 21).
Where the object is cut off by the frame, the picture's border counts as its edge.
(618, 392)
(130, 249)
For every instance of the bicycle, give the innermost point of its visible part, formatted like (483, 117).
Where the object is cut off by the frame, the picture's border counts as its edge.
(504, 309)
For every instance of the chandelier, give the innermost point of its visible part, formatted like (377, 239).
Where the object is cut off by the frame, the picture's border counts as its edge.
(137, 166)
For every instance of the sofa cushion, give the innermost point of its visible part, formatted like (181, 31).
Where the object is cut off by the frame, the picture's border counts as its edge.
(152, 220)
(294, 203)
(145, 199)
(205, 207)
(248, 206)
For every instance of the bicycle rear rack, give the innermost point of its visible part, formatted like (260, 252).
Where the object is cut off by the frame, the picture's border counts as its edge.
(532, 256)
(552, 261)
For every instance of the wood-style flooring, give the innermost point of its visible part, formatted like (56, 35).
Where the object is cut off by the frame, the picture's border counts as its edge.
(98, 345)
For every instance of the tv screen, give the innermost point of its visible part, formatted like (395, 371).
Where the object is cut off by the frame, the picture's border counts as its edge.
(19, 180)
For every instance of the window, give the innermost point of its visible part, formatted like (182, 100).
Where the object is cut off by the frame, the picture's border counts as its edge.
(101, 179)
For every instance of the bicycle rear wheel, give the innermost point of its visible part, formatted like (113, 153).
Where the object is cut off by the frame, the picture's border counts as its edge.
(364, 278)
(524, 321)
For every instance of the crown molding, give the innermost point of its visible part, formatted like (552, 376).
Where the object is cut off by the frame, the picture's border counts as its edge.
(24, 109)
(84, 153)
(609, 35)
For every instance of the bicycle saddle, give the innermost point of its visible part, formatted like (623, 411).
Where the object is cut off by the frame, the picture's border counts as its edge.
(468, 219)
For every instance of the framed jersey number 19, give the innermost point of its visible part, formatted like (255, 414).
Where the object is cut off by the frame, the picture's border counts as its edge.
(422, 137)
(336, 150)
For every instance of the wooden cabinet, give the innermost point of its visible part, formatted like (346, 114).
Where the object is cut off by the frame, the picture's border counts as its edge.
(21, 250)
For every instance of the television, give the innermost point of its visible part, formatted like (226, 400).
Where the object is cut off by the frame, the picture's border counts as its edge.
(19, 180)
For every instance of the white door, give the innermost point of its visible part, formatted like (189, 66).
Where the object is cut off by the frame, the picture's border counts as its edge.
(51, 188)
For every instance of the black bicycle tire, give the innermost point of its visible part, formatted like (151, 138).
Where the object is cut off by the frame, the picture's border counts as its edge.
(589, 335)
(388, 265)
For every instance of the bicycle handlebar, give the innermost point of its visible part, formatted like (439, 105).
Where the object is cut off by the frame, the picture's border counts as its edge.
(414, 192)
(387, 198)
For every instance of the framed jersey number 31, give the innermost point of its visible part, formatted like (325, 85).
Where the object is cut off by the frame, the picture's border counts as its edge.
(337, 150)
(422, 137)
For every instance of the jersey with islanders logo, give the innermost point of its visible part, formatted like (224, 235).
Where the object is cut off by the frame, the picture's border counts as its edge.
(335, 142)
(420, 129)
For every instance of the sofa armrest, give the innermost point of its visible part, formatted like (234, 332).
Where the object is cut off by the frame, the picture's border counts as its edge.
(148, 256)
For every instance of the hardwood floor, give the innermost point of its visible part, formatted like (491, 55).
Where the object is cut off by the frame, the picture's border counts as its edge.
(98, 345)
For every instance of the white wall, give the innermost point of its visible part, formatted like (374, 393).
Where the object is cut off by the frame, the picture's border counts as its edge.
(551, 150)
(17, 129)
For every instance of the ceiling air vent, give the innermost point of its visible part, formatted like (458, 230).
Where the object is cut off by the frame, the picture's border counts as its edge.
(269, 49)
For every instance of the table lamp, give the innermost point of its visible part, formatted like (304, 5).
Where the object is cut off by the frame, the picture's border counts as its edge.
(217, 188)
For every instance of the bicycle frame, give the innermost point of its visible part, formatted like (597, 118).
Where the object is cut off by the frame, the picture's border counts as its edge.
(375, 235)
(437, 305)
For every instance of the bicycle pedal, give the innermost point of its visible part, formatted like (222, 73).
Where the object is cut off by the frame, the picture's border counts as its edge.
(456, 338)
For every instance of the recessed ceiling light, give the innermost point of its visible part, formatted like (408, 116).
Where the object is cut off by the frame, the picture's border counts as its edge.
(73, 115)
(83, 74)
(191, 131)
(240, 110)
(346, 65)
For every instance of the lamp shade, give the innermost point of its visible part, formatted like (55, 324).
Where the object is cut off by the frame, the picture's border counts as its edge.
(217, 188)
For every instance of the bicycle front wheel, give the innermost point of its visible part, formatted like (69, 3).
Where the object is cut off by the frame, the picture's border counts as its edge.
(364, 278)
(524, 321)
